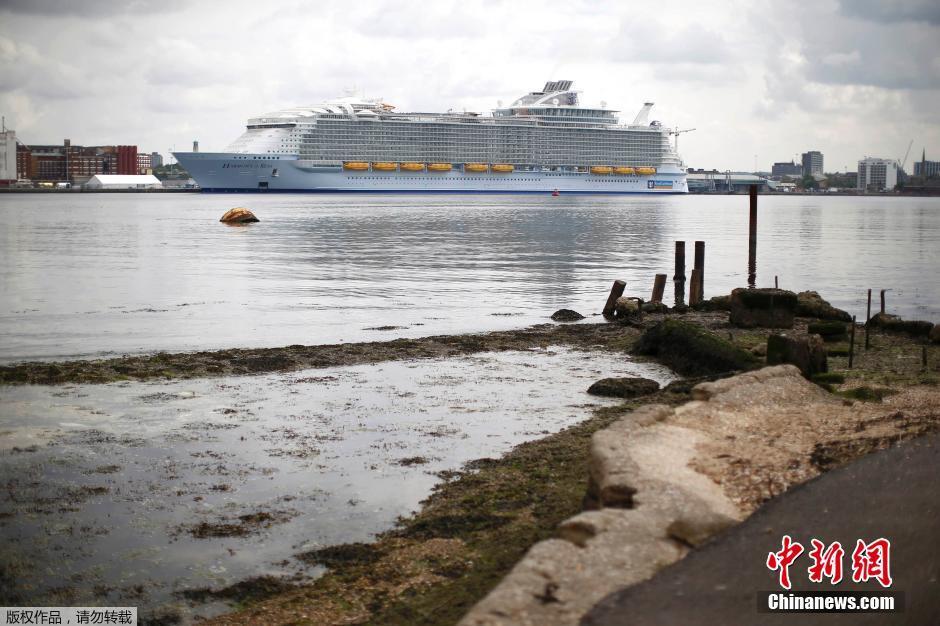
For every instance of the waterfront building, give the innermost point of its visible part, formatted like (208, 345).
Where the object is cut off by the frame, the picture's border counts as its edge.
(926, 168)
(784, 168)
(7, 157)
(156, 159)
(812, 162)
(54, 163)
(877, 174)
(123, 181)
(144, 164)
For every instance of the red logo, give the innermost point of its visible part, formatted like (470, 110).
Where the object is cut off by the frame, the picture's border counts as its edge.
(869, 561)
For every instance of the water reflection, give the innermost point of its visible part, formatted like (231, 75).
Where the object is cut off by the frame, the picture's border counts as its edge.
(97, 274)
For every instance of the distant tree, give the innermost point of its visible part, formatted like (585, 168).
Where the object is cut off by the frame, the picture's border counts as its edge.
(808, 182)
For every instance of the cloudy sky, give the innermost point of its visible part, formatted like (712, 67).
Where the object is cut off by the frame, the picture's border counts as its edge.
(759, 80)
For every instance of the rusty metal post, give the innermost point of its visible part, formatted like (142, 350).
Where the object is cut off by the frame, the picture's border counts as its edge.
(678, 278)
(659, 286)
(615, 292)
(752, 240)
(700, 266)
(852, 343)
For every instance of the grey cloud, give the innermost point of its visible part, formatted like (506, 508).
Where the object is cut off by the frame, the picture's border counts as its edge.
(90, 8)
(881, 11)
(642, 41)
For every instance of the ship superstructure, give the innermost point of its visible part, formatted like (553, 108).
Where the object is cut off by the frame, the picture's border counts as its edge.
(544, 141)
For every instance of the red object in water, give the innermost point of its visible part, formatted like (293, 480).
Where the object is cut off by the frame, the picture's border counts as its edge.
(555, 193)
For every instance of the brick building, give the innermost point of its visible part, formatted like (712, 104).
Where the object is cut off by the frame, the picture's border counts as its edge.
(74, 163)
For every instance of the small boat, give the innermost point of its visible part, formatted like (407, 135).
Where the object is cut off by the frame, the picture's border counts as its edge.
(646, 171)
(625, 170)
(356, 166)
(412, 167)
(439, 167)
(385, 167)
(601, 169)
(502, 168)
(555, 193)
(474, 167)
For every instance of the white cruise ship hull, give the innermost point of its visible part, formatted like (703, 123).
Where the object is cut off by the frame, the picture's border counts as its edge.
(228, 172)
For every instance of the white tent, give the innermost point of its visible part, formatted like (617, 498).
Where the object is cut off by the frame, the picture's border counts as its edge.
(124, 181)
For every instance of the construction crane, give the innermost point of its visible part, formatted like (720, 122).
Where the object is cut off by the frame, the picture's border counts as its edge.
(676, 131)
(906, 154)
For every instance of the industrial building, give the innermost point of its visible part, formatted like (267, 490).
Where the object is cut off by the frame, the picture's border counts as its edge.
(877, 174)
(926, 168)
(784, 168)
(73, 164)
(7, 156)
(812, 163)
(701, 181)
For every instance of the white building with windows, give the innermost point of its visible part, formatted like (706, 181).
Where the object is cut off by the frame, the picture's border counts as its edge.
(8, 156)
(123, 181)
(877, 174)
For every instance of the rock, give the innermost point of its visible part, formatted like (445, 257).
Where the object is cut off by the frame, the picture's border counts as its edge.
(628, 309)
(811, 304)
(762, 308)
(894, 324)
(830, 331)
(691, 350)
(717, 303)
(654, 307)
(760, 350)
(239, 215)
(806, 352)
(627, 387)
(935, 334)
(681, 309)
(566, 315)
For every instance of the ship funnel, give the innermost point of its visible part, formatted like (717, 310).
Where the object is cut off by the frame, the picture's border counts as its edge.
(642, 118)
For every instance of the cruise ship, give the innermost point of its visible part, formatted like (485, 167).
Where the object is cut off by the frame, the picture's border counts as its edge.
(545, 142)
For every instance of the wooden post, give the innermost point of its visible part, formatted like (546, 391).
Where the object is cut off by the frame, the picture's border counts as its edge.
(883, 301)
(752, 241)
(615, 292)
(852, 343)
(695, 285)
(700, 266)
(678, 278)
(776, 283)
(923, 356)
(659, 286)
(867, 319)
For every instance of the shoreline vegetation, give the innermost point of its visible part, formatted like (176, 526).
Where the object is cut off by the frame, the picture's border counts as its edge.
(433, 566)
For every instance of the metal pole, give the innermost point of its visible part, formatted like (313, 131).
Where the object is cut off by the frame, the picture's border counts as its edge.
(752, 240)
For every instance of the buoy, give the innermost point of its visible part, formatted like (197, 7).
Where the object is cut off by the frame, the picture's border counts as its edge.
(555, 193)
(239, 215)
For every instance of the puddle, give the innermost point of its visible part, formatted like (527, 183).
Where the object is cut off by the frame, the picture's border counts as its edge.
(133, 493)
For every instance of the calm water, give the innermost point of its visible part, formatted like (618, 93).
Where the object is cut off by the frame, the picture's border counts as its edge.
(93, 275)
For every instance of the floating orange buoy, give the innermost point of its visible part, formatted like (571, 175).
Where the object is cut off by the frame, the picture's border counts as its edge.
(239, 215)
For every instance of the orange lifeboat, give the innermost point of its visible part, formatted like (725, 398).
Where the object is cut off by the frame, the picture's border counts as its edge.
(625, 170)
(412, 167)
(601, 169)
(384, 166)
(646, 171)
(439, 167)
(503, 168)
(474, 167)
(356, 166)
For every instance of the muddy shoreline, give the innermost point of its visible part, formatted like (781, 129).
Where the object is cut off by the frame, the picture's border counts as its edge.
(241, 361)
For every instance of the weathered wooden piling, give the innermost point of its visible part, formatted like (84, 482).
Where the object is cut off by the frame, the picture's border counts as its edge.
(678, 278)
(695, 287)
(752, 240)
(883, 301)
(659, 286)
(852, 343)
(923, 357)
(776, 283)
(700, 266)
(616, 291)
(867, 319)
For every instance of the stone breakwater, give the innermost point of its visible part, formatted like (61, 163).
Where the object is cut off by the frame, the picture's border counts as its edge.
(664, 480)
